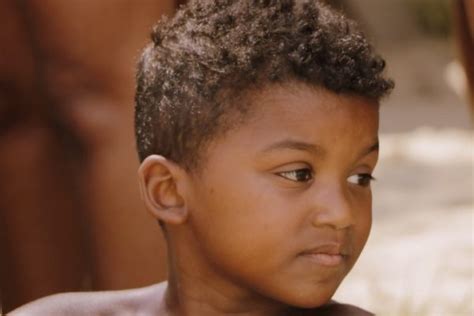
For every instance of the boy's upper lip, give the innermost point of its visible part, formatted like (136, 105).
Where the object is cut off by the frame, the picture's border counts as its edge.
(330, 248)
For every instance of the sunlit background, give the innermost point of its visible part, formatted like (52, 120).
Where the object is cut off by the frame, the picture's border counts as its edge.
(70, 215)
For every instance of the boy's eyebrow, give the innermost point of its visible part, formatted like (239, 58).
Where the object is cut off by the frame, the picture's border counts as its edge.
(313, 148)
(374, 147)
(296, 145)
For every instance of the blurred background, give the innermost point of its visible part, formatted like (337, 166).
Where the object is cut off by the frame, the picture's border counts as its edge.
(70, 214)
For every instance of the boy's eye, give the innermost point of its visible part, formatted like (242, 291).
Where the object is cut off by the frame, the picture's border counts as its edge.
(362, 179)
(298, 175)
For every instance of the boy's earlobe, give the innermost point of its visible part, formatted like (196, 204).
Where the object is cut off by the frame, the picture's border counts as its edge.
(158, 179)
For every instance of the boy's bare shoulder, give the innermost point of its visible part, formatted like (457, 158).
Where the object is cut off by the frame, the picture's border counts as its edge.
(137, 302)
(124, 302)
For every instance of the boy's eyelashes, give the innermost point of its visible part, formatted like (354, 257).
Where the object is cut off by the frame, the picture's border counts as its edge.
(306, 175)
(297, 175)
(362, 179)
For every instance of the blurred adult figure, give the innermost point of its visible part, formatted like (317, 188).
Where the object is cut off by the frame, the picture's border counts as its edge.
(70, 214)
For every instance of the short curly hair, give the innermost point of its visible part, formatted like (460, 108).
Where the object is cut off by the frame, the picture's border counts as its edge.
(202, 62)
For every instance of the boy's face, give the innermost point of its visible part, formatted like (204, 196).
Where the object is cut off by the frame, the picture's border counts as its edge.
(282, 207)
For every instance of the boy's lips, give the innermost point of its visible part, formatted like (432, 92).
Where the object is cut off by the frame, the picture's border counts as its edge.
(332, 254)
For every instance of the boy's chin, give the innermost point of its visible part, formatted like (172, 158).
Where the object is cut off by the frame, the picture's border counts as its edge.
(313, 302)
(311, 299)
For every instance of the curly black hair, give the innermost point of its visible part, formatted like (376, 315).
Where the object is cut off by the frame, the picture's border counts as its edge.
(202, 62)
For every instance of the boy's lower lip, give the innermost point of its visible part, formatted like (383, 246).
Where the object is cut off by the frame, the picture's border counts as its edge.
(325, 259)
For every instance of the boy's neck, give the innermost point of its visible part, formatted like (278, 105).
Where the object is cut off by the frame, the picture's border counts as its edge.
(195, 291)
(199, 301)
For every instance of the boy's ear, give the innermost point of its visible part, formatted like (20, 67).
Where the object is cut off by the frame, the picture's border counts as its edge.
(158, 181)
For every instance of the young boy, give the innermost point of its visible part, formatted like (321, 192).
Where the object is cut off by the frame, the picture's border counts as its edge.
(256, 124)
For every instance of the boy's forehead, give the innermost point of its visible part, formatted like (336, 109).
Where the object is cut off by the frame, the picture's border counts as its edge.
(297, 112)
(298, 109)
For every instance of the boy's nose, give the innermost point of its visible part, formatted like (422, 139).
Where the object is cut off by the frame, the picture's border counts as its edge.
(332, 207)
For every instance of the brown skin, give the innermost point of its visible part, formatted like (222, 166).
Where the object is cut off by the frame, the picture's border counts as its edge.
(239, 230)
